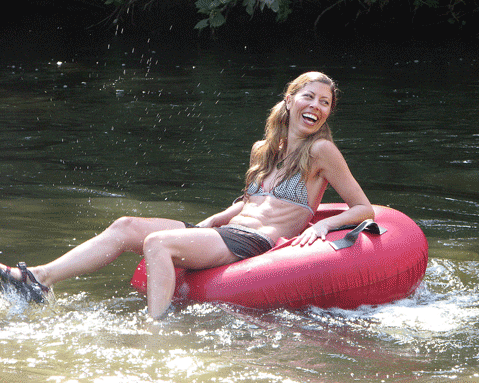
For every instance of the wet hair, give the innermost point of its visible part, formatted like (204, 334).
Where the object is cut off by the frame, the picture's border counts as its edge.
(265, 156)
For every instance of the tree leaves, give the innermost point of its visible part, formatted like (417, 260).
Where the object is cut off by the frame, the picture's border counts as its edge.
(249, 4)
(216, 10)
(217, 20)
(202, 24)
(456, 12)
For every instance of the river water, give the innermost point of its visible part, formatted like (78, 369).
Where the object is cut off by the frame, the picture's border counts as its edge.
(97, 128)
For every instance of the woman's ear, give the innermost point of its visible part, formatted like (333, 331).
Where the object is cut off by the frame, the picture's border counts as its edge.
(287, 102)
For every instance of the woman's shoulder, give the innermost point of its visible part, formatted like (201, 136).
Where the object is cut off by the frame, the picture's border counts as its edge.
(256, 150)
(323, 147)
(326, 154)
(258, 144)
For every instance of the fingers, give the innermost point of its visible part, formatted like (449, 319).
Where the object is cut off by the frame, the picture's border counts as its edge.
(315, 235)
(296, 241)
(308, 237)
(302, 239)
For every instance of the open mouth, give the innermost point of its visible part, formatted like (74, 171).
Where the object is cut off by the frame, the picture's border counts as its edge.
(310, 117)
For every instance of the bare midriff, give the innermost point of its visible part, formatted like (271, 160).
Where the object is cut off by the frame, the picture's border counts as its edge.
(273, 217)
(278, 218)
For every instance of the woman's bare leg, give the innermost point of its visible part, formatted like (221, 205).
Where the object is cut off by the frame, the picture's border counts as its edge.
(164, 244)
(187, 248)
(125, 234)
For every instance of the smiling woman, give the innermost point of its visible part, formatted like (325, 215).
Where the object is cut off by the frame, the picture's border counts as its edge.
(310, 107)
(303, 146)
(290, 170)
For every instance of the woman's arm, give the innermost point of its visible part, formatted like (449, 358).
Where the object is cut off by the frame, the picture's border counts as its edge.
(223, 217)
(333, 167)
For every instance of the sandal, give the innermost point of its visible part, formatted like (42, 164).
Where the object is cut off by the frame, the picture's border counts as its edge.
(31, 292)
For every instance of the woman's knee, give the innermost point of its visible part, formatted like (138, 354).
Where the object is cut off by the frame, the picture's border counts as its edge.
(159, 239)
(158, 244)
(123, 223)
(127, 230)
(144, 226)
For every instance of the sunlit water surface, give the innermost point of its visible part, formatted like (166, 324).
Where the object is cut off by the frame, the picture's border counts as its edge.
(134, 128)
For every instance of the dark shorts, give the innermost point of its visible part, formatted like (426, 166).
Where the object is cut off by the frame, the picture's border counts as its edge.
(242, 241)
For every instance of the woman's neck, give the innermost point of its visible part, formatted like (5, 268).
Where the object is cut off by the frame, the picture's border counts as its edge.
(292, 144)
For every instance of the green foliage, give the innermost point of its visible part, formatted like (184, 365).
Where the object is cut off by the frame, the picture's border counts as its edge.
(217, 10)
(213, 9)
(249, 4)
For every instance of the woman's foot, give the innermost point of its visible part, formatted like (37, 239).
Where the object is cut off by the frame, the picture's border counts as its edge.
(24, 282)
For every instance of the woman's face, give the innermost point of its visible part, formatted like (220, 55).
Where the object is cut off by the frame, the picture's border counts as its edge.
(309, 108)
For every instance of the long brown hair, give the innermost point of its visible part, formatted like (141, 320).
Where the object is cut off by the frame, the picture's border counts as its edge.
(265, 156)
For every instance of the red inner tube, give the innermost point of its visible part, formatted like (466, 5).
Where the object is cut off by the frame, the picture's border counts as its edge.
(377, 269)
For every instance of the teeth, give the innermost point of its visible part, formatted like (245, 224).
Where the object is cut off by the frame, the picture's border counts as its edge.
(310, 116)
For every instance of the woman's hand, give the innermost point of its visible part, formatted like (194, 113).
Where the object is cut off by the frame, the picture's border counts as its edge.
(311, 234)
(208, 222)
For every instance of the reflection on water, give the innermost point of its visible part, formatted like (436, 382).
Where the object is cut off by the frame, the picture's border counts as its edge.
(132, 129)
(429, 335)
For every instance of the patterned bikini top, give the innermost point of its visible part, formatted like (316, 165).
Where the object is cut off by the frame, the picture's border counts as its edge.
(292, 190)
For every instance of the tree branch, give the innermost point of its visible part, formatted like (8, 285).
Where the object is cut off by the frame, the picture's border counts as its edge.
(316, 22)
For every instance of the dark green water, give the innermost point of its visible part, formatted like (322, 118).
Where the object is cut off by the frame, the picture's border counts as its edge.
(96, 129)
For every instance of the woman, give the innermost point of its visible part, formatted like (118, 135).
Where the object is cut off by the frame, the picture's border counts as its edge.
(289, 172)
